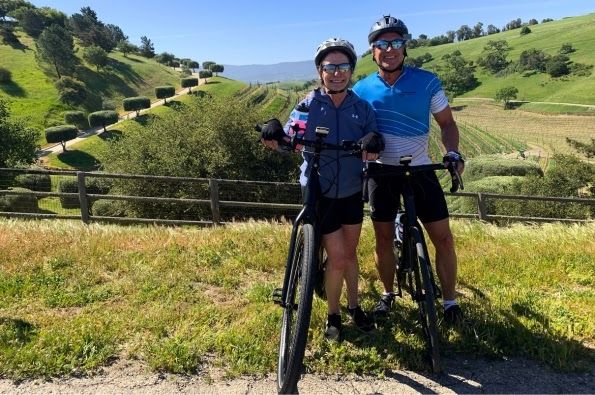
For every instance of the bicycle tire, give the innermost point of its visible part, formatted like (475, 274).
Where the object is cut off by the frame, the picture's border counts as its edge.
(296, 317)
(425, 298)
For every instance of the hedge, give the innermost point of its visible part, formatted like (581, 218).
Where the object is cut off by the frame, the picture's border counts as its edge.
(103, 118)
(163, 92)
(496, 165)
(136, 103)
(70, 185)
(76, 118)
(34, 182)
(19, 203)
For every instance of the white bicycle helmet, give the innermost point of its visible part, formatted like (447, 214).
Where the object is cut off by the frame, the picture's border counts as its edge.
(388, 24)
(335, 44)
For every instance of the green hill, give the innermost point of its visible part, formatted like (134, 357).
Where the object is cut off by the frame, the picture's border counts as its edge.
(33, 95)
(548, 37)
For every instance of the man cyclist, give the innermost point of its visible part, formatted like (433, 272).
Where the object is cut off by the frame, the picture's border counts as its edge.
(403, 98)
(347, 117)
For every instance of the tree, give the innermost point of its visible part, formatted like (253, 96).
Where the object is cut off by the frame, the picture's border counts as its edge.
(506, 94)
(61, 134)
(205, 74)
(103, 118)
(216, 68)
(557, 66)
(533, 59)
(146, 47)
(464, 33)
(456, 74)
(56, 47)
(136, 104)
(533, 21)
(492, 30)
(478, 30)
(451, 34)
(17, 141)
(76, 118)
(71, 90)
(163, 92)
(31, 20)
(125, 47)
(91, 31)
(189, 82)
(96, 56)
(165, 58)
(207, 64)
(525, 30)
(514, 24)
(7, 6)
(493, 56)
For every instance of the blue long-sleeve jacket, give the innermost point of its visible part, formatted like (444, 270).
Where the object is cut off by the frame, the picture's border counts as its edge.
(340, 175)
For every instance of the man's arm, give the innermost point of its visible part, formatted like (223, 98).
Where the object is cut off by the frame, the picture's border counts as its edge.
(448, 128)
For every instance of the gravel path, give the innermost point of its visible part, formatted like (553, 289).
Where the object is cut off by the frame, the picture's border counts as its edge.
(462, 376)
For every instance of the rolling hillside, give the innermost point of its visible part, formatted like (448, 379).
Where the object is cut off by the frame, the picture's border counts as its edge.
(33, 96)
(549, 37)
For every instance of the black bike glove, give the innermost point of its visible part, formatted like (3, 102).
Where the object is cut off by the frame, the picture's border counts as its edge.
(452, 158)
(272, 130)
(372, 142)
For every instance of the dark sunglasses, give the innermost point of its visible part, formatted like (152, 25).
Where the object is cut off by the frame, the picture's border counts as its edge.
(394, 44)
(332, 68)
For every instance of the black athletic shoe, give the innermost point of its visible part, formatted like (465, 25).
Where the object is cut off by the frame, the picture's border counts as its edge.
(453, 315)
(383, 306)
(333, 327)
(361, 319)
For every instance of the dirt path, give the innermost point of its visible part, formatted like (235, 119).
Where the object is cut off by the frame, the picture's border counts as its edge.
(463, 376)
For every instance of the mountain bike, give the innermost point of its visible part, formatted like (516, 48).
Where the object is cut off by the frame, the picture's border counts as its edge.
(302, 266)
(413, 267)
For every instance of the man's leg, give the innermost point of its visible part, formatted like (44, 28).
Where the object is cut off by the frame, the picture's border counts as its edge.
(384, 254)
(446, 257)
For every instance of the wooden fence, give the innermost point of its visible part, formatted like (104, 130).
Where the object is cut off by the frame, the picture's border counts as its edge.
(215, 202)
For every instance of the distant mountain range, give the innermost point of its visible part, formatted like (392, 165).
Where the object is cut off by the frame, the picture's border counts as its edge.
(285, 71)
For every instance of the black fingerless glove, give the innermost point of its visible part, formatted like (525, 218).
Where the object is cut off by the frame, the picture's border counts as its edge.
(372, 142)
(451, 158)
(272, 130)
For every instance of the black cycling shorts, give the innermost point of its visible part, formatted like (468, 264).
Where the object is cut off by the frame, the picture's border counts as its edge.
(343, 211)
(385, 192)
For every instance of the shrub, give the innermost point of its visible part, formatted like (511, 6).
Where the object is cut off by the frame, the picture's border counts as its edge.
(76, 118)
(136, 103)
(557, 66)
(19, 203)
(34, 182)
(525, 30)
(163, 92)
(581, 69)
(61, 134)
(5, 75)
(566, 48)
(108, 208)
(189, 82)
(205, 74)
(103, 118)
(495, 165)
(509, 185)
(70, 185)
(71, 91)
(108, 105)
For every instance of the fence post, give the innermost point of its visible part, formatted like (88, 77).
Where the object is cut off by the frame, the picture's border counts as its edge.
(214, 190)
(481, 207)
(83, 197)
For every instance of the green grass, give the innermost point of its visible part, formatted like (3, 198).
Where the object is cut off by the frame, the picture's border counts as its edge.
(221, 86)
(182, 299)
(549, 37)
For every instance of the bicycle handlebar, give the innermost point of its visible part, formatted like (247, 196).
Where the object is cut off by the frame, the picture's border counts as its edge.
(405, 168)
(317, 144)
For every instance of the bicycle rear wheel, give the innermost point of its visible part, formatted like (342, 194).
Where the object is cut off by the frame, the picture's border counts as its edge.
(297, 311)
(425, 297)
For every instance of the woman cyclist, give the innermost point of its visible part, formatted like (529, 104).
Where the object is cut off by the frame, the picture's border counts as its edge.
(334, 106)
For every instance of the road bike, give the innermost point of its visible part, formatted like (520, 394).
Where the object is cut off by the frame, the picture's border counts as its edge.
(303, 265)
(413, 266)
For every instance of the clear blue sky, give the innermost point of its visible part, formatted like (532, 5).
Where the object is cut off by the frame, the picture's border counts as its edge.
(271, 31)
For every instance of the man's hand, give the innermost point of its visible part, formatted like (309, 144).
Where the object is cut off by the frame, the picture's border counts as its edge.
(454, 160)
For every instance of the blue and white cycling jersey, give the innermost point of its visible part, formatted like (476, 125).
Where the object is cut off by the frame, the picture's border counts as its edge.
(403, 112)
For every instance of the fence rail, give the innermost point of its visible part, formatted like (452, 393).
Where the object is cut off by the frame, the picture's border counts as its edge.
(213, 203)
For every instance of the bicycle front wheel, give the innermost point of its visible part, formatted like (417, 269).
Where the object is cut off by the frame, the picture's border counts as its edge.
(297, 311)
(425, 298)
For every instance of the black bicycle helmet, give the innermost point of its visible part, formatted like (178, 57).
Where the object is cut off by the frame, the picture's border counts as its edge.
(335, 44)
(388, 24)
